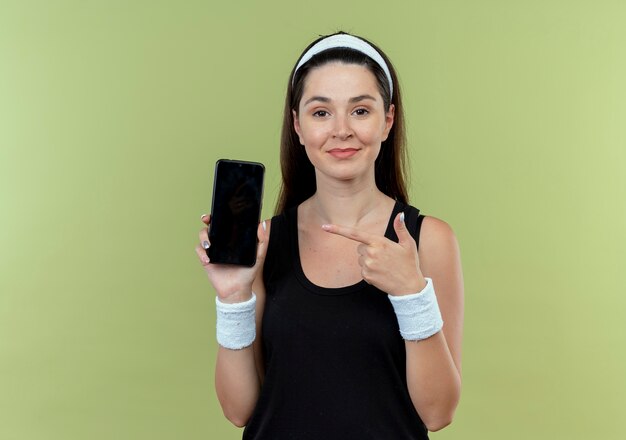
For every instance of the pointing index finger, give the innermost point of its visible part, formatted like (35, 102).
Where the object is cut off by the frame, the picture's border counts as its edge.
(351, 233)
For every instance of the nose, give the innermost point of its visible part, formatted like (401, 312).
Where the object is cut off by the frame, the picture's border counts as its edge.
(342, 129)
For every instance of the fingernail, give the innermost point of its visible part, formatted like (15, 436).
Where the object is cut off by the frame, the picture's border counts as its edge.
(264, 226)
(402, 217)
(205, 260)
(205, 244)
(202, 216)
(326, 227)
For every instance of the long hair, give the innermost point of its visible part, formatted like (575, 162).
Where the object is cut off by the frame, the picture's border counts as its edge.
(298, 174)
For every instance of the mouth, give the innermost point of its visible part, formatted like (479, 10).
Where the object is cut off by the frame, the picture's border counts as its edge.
(343, 153)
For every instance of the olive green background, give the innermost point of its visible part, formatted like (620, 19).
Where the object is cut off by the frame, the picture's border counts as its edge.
(112, 114)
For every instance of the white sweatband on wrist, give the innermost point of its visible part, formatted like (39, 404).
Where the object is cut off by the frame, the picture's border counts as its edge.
(418, 314)
(236, 324)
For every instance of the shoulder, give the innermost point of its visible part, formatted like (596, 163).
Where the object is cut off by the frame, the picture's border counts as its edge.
(439, 246)
(276, 235)
(277, 223)
(436, 232)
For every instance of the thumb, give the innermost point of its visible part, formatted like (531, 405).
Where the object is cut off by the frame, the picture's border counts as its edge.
(264, 236)
(404, 236)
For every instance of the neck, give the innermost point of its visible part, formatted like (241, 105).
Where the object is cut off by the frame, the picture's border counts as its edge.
(346, 205)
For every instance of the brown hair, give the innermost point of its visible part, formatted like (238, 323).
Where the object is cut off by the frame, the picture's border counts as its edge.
(298, 174)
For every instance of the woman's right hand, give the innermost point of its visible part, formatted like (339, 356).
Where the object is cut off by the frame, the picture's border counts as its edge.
(232, 283)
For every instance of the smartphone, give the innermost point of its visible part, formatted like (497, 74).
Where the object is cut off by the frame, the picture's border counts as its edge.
(235, 212)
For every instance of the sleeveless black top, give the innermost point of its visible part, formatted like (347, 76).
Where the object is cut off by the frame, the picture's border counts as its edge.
(335, 363)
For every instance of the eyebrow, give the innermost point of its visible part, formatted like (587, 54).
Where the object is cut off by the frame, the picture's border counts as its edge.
(351, 100)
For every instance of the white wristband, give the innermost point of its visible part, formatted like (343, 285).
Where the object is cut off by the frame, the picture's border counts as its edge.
(236, 325)
(418, 314)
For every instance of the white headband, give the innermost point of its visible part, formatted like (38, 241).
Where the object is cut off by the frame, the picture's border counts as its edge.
(350, 42)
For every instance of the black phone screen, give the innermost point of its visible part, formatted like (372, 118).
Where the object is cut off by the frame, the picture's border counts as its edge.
(235, 212)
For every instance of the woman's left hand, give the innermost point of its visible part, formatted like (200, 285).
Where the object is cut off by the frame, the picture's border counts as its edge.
(391, 267)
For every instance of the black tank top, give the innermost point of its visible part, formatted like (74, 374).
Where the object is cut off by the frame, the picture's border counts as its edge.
(335, 363)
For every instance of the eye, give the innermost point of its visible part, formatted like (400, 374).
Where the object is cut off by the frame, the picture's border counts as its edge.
(361, 111)
(320, 113)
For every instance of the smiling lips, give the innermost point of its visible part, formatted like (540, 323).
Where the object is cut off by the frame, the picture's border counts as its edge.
(343, 153)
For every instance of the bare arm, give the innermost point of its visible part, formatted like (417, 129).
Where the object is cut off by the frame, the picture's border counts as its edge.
(434, 364)
(238, 373)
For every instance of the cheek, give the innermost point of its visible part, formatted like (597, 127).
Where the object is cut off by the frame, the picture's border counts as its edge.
(314, 135)
(372, 133)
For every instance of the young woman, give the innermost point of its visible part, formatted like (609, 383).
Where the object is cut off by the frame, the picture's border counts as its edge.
(354, 328)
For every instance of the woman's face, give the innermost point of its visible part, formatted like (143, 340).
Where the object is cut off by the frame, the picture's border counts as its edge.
(341, 121)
